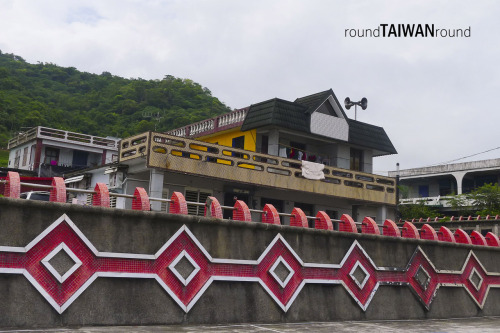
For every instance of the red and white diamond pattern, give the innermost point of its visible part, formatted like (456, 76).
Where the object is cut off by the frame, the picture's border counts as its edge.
(33, 261)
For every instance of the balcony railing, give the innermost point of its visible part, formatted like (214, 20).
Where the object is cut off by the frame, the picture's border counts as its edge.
(209, 126)
(188, 156)
(439, 201)
(63, 136)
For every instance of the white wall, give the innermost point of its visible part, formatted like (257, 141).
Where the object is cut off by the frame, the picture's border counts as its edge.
(329, 126)
(12, 156)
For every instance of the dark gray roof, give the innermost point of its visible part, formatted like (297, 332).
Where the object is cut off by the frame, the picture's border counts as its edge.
(314, 101)
(371, 136)
(277, 112)
(296, 116)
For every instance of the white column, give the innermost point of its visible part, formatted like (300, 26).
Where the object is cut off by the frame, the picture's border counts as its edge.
(459, 176)
(382, 214)
(156, 188)
(273, 143)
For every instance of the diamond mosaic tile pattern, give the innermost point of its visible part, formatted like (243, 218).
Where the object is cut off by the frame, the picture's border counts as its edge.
(185, 270)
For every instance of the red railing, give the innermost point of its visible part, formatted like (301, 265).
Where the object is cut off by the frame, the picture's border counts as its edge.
(269, 214)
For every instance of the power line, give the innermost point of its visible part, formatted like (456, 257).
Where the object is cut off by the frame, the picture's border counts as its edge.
(457, 159)
(462, 158)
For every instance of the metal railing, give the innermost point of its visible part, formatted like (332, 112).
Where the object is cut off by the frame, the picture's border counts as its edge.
(321, 221)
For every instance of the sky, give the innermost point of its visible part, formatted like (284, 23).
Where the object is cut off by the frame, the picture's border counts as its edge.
(434, 96)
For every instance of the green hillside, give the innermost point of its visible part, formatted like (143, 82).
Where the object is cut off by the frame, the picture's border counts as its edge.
(4, 158)
(49, 95)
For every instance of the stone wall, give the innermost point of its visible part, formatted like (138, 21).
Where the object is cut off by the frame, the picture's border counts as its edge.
(138, 268)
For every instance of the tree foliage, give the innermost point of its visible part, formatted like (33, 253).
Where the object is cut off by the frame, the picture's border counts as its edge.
(106, 105)
(416, 211)
(486, 199)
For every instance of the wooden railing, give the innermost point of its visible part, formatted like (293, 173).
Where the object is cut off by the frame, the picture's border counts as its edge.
(210, 160)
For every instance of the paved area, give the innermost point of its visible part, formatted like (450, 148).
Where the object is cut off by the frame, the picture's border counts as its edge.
(486, 324)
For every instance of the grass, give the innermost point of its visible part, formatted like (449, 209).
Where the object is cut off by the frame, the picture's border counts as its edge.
(4, 158)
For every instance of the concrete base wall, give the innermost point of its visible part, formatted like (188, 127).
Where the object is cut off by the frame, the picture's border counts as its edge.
(321, 292)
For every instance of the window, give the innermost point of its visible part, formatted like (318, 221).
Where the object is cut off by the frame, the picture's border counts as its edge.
(51, 156)
(264, 144)
(25, 156)
(423, 191)
(17, 158)
(356, 159)
(239, 142)
(194, 195)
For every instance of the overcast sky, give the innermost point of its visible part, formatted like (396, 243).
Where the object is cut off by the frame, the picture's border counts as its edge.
(435, 97)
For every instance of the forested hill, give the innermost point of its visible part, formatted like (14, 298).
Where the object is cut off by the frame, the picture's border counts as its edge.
(49, 95)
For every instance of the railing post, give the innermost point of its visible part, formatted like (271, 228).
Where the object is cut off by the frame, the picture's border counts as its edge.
(323, 221)
(58, 191)
(101, 197)
(241, 212)
(12, 185)
(141, 200)
(178, 204)
(298, 218)
(270, 215)
(213, 208)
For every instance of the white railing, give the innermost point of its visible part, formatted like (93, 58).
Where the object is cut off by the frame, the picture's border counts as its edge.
(211, 125)
(443, 201)
(181, 132)
(204, 126)
(232, 118)
(61, 135)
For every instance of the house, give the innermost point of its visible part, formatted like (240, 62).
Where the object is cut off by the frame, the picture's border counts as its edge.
(433, 185)
(51, 152)
(257, 154)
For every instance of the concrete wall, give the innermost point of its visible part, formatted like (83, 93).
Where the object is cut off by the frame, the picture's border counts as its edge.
(323, 292)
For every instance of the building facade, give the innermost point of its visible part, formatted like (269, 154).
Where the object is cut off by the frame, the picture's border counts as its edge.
(435, 184)
(256, 154)
(51, 152)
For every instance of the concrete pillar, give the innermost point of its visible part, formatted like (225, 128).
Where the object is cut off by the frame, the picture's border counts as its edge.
(156, 187)
(459, 176)
(495, 229)
(273, 143)
(382, 214)
(368, 161)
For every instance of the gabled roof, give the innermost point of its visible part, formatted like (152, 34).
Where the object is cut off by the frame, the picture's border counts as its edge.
(296, 116)
(314, 101)
(277, 112)
(371, 136)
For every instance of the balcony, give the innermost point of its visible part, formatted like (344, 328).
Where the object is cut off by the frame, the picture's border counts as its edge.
(174, 154)
(63, 136)
(213, 125)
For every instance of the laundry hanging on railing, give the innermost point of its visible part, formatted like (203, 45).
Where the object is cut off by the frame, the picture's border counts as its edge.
(311, 170)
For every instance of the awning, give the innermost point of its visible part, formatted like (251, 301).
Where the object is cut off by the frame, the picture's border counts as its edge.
(73, 179)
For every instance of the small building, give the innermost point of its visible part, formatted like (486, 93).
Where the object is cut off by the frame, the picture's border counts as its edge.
(258, 154)
(51, 152)
(434, 185)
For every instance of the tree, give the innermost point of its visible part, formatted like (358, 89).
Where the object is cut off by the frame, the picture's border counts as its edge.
(486, 199)
(415, 211)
